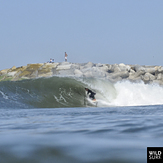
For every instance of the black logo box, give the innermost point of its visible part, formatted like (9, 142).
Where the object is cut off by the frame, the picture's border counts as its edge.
(154, 154)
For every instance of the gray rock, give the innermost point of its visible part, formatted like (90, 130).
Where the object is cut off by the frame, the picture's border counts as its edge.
(78, 73)
(160, 69)
(3, 72)
(114, 73)
(64, 72)
(12, 73)
(122, 74)
(160, 76)
(103, 68)
(148, 77)
(75, 66)
(63, 66)
(150, 70)
(47, 69)
(116, 68)
(88, 65)
(131, 71)
(110, 68)
(124, 67)
(138, 68)
(136, 75)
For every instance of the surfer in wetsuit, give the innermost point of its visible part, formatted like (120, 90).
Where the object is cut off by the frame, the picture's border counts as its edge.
(90, 93)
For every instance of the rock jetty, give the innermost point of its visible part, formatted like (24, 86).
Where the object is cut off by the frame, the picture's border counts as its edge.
(112, 72)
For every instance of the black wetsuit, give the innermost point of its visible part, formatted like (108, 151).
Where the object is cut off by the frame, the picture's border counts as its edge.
(92, 94)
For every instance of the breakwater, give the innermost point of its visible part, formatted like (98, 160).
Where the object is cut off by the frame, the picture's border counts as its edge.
(112, 72)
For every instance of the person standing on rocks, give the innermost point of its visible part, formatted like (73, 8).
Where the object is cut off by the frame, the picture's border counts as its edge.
(66, 57)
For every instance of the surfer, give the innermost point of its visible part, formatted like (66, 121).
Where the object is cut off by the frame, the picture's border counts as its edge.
(91, 94)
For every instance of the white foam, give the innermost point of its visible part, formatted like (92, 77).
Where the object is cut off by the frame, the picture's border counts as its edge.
(126, 93)
(134, 94)
(4, 96)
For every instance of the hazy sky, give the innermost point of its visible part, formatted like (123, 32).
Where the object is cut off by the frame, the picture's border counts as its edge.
(100, 31)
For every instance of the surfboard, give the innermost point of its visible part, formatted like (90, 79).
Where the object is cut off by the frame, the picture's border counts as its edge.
(94, 102)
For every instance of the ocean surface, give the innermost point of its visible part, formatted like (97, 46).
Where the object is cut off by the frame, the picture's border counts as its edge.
(52, 120)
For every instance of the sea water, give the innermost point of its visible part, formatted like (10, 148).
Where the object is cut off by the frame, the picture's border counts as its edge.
(48, 120)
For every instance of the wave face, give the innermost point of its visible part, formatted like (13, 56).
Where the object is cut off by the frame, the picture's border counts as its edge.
(59, 92)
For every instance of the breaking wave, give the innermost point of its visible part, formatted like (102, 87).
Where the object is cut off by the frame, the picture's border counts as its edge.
(59, 92)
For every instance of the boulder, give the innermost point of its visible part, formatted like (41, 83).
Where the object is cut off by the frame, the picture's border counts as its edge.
(75, 66)
(13, 73)
(138, 68)
(5, 71)
(110, 68)
(136, 75)
(65, 72)
(102, 68)
(88, 74)
(13, 68)
(124, 67)
(94, 72)
(31, 71)
(78, 73)
(122, 74)
(47, 69)
(88, 65)
(150, 70)
(160, 69)
(148, 77)
(160, 76)
(131, 71)
(99, 72)
(63, 67)
(116, 68)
